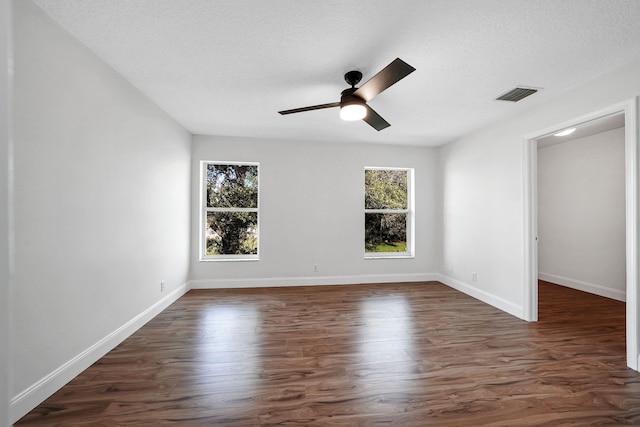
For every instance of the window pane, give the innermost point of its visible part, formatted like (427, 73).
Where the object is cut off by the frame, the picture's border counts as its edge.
(385, 232)
(385, 189)
(232, 186)
(232, 233)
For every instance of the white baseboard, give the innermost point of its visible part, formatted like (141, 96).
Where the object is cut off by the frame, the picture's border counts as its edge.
(484, 296)
(592, 288)
(310, 281)
(45, 387)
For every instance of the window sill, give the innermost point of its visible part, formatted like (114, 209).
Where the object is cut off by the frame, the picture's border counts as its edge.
(389, 256)
(229, 259)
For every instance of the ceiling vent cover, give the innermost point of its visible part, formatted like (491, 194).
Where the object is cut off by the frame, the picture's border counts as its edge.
(516, 94)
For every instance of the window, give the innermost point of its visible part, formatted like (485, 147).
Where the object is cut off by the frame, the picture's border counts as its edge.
(388, 212)
(230, 211)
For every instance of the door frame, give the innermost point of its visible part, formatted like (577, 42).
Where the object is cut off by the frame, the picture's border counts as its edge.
(530, 144)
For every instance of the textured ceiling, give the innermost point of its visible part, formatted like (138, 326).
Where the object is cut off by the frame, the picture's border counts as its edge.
(227, 67)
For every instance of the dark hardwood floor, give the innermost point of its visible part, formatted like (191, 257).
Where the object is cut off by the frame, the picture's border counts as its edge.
(394, 354)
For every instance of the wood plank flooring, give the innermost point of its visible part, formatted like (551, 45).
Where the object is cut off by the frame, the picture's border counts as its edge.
(392, 354)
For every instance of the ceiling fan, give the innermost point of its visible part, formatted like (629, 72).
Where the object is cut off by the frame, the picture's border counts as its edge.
(353, 101)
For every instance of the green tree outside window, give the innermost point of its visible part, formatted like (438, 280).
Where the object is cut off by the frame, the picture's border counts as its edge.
(386, 210)
(231, 209)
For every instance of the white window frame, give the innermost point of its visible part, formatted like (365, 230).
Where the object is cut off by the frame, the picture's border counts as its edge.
(410, 212)
(204, 210)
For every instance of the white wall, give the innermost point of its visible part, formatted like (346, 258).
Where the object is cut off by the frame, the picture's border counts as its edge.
(581, 214)
(5, 53)
(101, 207)
(483, 190)
(312, 199)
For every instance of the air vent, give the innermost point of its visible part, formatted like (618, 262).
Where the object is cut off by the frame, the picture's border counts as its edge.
(516, 94)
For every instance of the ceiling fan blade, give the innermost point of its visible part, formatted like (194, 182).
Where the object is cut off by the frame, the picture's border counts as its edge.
(375, 120)
(313, 107)
(389, 75)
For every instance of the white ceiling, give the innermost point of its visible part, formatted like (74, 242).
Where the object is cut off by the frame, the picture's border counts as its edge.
(226, 67)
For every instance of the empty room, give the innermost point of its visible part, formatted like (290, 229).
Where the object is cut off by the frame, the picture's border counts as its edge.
(309, 213)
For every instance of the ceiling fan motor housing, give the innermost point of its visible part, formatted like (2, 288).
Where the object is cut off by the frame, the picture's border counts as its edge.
(348, 97)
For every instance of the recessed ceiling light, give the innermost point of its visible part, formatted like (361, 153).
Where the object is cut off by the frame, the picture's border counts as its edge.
(565, 132)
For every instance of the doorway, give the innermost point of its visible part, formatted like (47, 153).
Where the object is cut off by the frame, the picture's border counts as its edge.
(530, 297)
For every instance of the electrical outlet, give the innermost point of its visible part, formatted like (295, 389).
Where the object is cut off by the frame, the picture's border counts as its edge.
(162, 286)
(315, 268)
(474, 276)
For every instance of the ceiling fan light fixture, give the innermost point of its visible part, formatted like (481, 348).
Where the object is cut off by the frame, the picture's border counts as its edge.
(353, 111)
